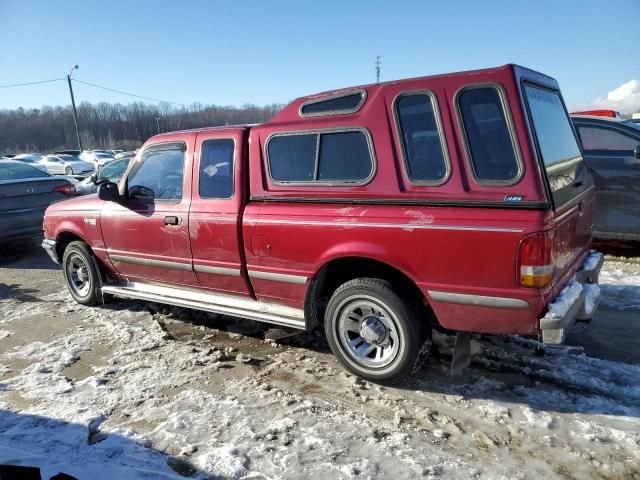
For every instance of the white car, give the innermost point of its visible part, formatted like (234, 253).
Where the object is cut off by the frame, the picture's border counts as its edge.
(65, 165)
(97, 158)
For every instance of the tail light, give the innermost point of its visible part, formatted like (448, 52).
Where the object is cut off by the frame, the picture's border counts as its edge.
(66, 189)
(536, 259)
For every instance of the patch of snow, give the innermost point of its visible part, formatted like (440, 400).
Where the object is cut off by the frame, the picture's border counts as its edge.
(591, 297)
(565, 299)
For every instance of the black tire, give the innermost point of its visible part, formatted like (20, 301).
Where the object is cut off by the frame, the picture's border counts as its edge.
(81, 274)
(68, 171)
(388, 353)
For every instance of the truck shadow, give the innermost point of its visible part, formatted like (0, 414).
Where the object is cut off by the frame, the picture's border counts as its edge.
(81, 451)
(25, 254)
(569, 379)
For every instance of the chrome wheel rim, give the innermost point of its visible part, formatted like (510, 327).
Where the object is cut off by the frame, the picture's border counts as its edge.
(69, 171)
(367, 331)
(78, 275)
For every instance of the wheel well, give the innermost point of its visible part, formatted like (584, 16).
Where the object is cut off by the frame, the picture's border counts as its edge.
(341, 270)
(64, 239)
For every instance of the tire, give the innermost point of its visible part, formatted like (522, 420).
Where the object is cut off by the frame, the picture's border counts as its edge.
(68, 171)
(81, 274)
(375, 332)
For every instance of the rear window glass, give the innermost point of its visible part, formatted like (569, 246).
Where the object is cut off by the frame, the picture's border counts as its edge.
(557, 144)
(344, 156)
(334, 105)
(292, 158)
(216, 169)
(340, 157)
(17, 171)
(486, 129)
(421, 142)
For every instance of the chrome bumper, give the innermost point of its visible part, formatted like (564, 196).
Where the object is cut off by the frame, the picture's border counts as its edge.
(50, 247)
(577, 301)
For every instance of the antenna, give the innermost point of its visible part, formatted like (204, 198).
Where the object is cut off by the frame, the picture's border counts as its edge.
(378, 64)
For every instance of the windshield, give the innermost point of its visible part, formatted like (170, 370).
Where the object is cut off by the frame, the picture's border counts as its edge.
(557, 144)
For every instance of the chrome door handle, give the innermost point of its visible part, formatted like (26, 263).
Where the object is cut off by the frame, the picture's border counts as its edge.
(171, 220)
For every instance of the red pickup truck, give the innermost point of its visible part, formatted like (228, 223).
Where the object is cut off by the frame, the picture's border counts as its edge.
(379, 212)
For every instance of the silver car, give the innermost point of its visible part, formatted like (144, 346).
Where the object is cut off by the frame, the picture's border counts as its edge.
(611, 148)
(26, 192)
(65, 165)
(98, 158)
(111, 172)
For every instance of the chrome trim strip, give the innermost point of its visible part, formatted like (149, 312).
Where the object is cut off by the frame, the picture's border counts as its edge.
(478, 300)
(278, 277)
(403, 226)
(150, 263)
(230, 272)
(211, 302)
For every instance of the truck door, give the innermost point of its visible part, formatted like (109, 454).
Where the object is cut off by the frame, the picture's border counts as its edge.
(146, 235)
(215, 219)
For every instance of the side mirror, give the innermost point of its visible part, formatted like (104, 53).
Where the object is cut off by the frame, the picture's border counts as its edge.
(636, 152)
(108, 192)
(141, 193)
(93, 178)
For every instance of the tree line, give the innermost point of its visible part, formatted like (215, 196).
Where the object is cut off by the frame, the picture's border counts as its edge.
(113, 126)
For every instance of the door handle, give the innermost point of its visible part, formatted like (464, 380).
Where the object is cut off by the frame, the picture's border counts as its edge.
(171, 220)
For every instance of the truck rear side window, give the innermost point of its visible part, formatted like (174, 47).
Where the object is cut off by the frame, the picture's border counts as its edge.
(216, 169)
(488, 136)
(343, 157)
(421, 139)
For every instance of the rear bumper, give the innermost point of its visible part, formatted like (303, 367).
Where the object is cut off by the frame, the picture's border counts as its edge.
(50, 247)
(577, 301)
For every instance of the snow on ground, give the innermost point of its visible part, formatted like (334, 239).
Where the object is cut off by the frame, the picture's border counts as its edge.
(135, 390)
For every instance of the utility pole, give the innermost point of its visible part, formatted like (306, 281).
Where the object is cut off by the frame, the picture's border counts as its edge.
(73, 104)
(378, 64)
(158, 123)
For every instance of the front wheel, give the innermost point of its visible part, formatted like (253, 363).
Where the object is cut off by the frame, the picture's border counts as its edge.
(81, 274)
(375, 332)
(68, 171)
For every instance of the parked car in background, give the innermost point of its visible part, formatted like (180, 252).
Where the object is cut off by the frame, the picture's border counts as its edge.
(471, 210)
(129, 154)
(98, 158)
(611, 148)
(66, 165)
(111, 172)
(25, 193)
(75, 153)
(28, 157)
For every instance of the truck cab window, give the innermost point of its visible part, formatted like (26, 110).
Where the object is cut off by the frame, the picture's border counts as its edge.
(162, 172)
(216, 169)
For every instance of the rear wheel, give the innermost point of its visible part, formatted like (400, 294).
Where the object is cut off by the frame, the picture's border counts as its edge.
(375, 332)
(68, 171)
(81, 274)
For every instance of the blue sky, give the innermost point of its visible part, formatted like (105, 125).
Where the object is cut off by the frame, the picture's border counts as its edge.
(232, 53)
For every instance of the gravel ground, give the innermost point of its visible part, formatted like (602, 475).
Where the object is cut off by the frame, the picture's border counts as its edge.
(140, 390)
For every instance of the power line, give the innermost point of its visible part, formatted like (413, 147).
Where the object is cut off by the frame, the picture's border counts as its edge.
(126, 93)
(32, 83)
